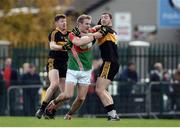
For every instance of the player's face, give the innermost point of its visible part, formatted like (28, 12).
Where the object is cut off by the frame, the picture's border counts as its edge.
(62, 24)
(106, 20)
(84, 27)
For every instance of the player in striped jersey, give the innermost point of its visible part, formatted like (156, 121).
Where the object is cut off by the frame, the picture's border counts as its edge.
(57, 63)
(108, 48)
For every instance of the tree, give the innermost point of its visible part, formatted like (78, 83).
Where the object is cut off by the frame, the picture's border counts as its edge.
(29, 27)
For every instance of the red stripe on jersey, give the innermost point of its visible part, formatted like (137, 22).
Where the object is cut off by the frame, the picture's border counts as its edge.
(92, 30)
(71, 36)
(75, 54)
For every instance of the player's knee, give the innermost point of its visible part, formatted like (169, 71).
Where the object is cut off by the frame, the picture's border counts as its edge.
(54, 84)
(53, 87)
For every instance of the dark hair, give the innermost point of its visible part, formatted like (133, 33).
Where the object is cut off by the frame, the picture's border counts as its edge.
(110, 15)
(59, 16)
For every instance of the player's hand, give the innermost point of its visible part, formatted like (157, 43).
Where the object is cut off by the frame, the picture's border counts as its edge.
(66, 46)
(103, 30)
(76, 32)
(51, 106)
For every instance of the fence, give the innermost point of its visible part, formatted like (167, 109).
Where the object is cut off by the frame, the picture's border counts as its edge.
(156, 99)
(144, 57)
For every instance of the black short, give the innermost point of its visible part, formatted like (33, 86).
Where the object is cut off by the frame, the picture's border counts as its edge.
(60, 65)
(108, 70)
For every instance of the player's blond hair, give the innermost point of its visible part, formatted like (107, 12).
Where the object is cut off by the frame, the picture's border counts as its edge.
(82, 17)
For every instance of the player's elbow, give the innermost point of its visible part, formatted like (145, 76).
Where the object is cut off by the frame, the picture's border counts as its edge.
(78, 43)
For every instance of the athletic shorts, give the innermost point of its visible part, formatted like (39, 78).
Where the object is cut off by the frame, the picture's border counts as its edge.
(60, 65)
(108, 70)
(78, 77)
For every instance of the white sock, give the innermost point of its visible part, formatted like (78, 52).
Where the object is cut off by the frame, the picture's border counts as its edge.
(112, 113)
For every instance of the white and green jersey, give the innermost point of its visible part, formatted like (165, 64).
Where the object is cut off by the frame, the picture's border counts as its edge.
(80, 58)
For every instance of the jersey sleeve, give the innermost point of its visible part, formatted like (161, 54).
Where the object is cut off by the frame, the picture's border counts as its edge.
(71, 36)
(53, 36)
(92, 30)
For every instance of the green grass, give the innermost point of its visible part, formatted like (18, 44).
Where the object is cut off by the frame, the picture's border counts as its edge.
(85, 122)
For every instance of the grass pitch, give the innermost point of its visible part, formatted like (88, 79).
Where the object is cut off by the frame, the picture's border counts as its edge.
(85, 122)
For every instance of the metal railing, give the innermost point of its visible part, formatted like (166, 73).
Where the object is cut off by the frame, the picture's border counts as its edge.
(131, 100)
(18, 87)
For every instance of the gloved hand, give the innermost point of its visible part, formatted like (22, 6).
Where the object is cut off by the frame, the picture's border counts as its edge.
(76, 32)
(99, 22)
(66, 46)
(104, 30)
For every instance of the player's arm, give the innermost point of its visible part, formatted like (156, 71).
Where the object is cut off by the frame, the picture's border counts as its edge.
(54, 39)
(54, 46)
(103, 30)
(78, 41)
(96, 27)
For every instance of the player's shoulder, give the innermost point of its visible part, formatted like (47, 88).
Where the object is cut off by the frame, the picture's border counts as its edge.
(53, 32)
(71, 36)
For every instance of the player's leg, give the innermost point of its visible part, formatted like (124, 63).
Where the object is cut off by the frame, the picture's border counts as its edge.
(51, 115)
(54, 82)
(82, 92)
(66, 95)
(62, 68)
(108, 71)
(83, 85)
(101, 86)
(71, 81)
(62, 89)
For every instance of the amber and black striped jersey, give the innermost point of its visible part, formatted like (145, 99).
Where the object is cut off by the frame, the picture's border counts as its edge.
(108, 47)
(60, 39)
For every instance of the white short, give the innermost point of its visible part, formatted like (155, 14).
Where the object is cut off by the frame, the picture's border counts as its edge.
(78, 77)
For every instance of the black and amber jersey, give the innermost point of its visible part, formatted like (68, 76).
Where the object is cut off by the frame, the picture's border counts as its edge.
(108, 47)
(60, 39)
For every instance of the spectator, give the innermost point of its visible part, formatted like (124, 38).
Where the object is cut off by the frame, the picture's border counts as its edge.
(2, 94)
(129, 74)
(30, 96)
(1, 75)
(177, 75)
(10, 76)
(158, 74)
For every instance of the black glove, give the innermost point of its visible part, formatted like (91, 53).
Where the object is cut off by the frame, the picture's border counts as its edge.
(76, 32)
(103, 30)
(99, 22)
(66, 46)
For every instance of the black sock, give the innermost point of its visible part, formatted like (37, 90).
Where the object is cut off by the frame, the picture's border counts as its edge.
(109, 107)
(44, 105)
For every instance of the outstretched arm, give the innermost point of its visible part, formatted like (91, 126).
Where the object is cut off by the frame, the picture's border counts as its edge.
(79, 41)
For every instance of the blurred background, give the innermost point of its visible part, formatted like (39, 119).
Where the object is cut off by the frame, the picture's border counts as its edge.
(148, 32)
